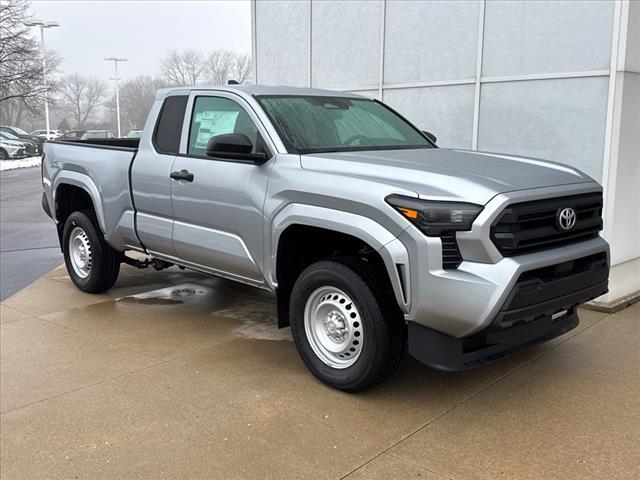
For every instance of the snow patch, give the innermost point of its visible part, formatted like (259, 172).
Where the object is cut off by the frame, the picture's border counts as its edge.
(21, 163)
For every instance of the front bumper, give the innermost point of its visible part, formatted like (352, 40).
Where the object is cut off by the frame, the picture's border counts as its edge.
(14, 152)
(463, 301)
(541, 306)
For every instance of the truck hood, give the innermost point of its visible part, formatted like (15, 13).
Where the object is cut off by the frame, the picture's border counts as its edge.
(449, 174)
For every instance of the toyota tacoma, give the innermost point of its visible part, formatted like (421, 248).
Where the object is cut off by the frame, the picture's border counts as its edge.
(373, 240)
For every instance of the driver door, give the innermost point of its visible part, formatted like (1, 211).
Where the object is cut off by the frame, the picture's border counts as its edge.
(217, 203)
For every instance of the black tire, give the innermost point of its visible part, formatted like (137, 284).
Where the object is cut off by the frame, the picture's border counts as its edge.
(384, 333)
(105, 261)
(3, 154)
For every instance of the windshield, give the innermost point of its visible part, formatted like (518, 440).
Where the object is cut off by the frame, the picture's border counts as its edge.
(314, 124)
(19, 131)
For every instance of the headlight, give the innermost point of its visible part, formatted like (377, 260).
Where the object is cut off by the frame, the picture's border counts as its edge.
(432, 217)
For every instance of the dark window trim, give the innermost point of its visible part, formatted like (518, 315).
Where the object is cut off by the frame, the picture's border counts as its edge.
(292, 149)
(155, 128)
(220, 159)
(84, 143)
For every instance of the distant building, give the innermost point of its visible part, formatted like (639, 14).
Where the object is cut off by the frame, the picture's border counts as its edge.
(555, 80)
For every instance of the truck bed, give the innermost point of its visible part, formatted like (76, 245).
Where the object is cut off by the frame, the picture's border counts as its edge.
(101, 166)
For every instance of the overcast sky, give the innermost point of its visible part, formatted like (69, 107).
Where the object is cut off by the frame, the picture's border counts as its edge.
(140, 30)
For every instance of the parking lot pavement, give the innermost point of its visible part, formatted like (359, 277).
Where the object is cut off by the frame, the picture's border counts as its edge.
(28, 240)
(176, 375)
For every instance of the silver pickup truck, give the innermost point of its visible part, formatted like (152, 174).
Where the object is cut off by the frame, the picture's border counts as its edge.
(373, 240)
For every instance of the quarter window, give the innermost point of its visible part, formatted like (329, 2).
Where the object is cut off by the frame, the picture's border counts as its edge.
(166, 137)
(218, 116)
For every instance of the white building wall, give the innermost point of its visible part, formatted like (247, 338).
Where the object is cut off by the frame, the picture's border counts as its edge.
(530, 78)
(622, 166)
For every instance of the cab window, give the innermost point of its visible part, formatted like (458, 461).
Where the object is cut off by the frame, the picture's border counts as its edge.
(218, 116)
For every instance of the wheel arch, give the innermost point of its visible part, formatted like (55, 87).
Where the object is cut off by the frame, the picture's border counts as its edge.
(295, 228)
(71, 192)
(73, 186)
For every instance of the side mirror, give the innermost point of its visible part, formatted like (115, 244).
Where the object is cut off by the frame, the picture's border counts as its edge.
(234, 146)
(430, 136)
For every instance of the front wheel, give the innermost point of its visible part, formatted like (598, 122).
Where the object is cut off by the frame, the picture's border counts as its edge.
(91, 262)
(345, 325)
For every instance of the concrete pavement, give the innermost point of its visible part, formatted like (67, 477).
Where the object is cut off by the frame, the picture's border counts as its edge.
(176, 375)
(28, 239)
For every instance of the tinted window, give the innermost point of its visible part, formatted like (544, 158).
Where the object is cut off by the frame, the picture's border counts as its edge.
(310, 124)
(217, 116)
(169, 127)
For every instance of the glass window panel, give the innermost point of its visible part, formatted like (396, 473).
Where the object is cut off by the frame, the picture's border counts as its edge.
(217, 116)
(309, 124)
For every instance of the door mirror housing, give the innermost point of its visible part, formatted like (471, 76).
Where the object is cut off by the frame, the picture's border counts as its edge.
(234, 146)
(430, 136)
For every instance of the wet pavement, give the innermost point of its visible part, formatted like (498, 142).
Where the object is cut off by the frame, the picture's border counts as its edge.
(177, 375)
(29, 245)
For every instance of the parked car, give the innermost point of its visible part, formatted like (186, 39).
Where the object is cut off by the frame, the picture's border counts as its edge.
(72, 135)
(95, 134)
(29, 146)
(371, 238)
(11, 149)
(22, 135)
(47, 134)
(134, 134)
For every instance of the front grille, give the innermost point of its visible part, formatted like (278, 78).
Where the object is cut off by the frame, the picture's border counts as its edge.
(451, 257)
(530, 226)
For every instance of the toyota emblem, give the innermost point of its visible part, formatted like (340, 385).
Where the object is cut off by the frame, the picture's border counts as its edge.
(566, 218)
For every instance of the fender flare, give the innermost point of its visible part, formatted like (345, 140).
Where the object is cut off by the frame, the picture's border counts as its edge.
(389, 247)
(85, 182)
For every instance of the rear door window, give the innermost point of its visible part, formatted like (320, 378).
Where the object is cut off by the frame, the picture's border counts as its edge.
(166, 137)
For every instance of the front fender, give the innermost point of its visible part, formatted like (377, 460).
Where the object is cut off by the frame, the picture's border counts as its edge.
(392, 251)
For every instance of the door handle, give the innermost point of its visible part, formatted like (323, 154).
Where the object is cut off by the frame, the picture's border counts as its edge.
(182, 175)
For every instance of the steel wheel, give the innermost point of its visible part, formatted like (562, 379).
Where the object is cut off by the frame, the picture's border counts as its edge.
(80, 252)
(333, 327)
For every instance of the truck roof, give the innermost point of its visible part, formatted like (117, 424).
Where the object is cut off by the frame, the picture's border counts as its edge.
(253, 89)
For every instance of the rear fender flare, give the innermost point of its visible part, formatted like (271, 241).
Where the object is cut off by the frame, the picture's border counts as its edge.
(87, 184)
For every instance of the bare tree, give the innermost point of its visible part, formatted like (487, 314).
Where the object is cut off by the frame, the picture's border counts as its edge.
(82, 96)
(242, 67)
(22, 85)
(183, 68)
(218, 66)
(136, 98)
(224, 65)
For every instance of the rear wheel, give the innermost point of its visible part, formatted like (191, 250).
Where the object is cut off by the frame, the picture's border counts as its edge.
(347, 328)
(91, 262)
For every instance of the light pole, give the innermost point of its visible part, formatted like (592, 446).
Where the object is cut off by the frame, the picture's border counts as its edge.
(36, 22)
(115, 61)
